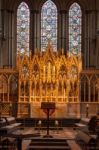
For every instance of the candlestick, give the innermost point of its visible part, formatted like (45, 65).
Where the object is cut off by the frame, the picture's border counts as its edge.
(87, 110)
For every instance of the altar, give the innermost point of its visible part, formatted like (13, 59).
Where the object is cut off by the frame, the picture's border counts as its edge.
(62, 111)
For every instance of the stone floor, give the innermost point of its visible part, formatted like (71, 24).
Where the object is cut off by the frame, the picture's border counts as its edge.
(67, 133)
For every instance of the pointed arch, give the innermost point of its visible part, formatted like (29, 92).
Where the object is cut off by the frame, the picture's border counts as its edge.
(23, 23)
(84, 88)
(48, 25)
(75, 28)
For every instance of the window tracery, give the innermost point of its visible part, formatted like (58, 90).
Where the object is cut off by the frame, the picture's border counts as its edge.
(23, 21)
(48, 25)
(75, 27)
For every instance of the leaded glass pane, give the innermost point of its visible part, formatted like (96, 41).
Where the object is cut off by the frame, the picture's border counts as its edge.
(23, 21)
(48, 25)
(75, 28)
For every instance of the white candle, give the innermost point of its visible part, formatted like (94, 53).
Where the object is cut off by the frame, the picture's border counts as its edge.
(44, 73)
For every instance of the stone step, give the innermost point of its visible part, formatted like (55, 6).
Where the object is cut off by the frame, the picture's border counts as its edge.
(48, 140)
(49, 148)
(49, 143)
(50, 128)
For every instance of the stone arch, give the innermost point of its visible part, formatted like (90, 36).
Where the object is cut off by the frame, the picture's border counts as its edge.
(83, 4)
(94, 88)
(57, 3)
(84, 88)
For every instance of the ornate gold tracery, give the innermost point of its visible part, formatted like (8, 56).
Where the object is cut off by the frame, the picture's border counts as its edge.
(49, 76)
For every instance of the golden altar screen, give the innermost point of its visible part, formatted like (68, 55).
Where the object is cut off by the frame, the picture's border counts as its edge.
(49, 77)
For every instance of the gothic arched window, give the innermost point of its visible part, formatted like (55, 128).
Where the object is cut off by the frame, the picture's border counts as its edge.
(23, 22)
(48, 25)
(75, 28)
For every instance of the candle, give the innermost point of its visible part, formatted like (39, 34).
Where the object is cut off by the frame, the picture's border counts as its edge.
(87, 105)
(53, 73)
(44, 73)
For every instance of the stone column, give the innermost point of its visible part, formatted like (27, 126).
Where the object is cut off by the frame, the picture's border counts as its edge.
(92, 36)
(7, 37)
(97, 41)
(0, 19)
(86, 50)
(35, 30)
(62, 23)
(10, 37)
(89, 39)
(0, 33)
(4, 50)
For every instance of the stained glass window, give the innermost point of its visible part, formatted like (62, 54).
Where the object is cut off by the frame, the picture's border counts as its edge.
(48, 25)
(23, 22)
(75, 28)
